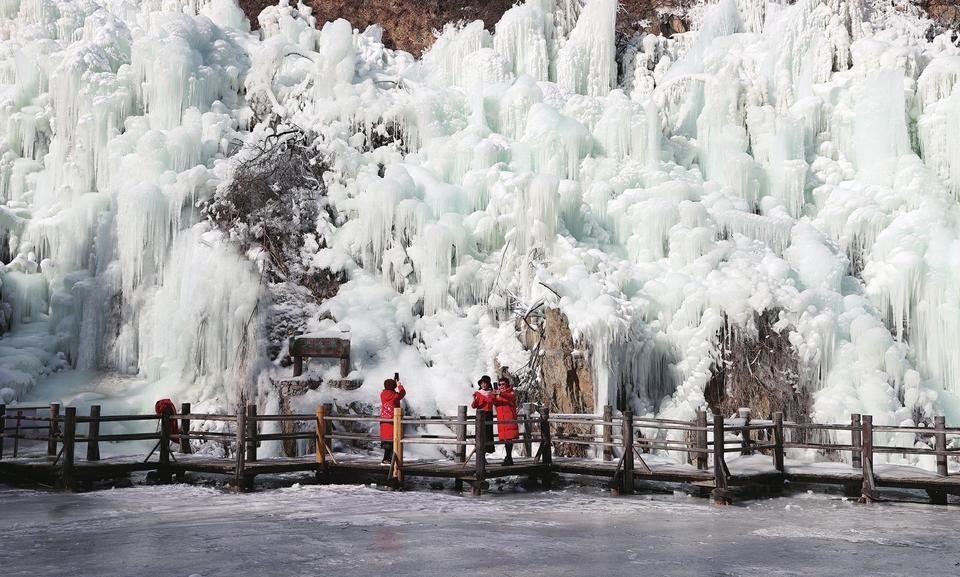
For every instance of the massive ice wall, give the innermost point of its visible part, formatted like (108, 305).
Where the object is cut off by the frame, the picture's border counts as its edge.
(787, 159)
(118, 116)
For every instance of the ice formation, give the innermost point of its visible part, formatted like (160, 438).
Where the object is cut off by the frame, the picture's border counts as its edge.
(788, 157)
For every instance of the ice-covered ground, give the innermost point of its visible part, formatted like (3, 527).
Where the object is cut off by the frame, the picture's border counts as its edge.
(362, 531)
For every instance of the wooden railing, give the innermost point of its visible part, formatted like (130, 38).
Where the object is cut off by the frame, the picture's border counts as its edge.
(704, 442)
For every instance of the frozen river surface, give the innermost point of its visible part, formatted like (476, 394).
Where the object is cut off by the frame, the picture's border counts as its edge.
(350, 530)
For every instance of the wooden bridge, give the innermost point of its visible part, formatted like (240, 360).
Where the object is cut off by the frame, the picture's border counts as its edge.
(40, 445)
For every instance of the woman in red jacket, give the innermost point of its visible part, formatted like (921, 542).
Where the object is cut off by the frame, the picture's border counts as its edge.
(505, 400)
(389, 400)
(483, 403)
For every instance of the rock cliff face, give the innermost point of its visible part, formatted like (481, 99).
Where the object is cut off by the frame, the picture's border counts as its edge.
(409, 24)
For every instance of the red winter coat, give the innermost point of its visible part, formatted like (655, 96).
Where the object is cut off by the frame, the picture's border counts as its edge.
(483, 401)
(506, 402)
(166, 406)
(389, 400)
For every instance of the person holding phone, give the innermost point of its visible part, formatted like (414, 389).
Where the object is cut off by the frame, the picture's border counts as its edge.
(483, 403)
(505, 401)
(390, 397)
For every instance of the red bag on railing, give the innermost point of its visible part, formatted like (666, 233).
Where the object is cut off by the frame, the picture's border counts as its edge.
(166, 406)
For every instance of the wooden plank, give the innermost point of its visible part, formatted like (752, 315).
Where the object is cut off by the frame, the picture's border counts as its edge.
(719, 462)
(702, 454)
(3, 425)
(397, 446)
(320, 347)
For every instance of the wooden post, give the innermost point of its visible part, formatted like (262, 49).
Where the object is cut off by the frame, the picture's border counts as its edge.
(940, 440)
(529, 409)
(321, 434)
(480, 451)
(745, 434)
(626, 482)
(16, 434)
(460, 454)
(607, 432)
(939, 496)
(93, 431)
(545, 442)
(398, 446)
(702, 440)
(241, 474)
(719, 462)
(868, 490)
(345, 360)
(163, 467)
(251, 433)
(69, 435)
(328, 427)
(3, 425)
(297, 366)
(53, 427)
(185, 430)
(856, 441)
(778, 441)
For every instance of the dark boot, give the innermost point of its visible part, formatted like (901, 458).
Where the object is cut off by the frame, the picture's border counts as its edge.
(387, 452)
(508, 460)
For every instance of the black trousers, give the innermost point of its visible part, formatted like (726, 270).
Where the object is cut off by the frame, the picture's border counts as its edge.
(488, 429)
(387, 451)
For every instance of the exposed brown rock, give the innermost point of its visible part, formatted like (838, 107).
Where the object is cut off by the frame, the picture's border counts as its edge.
(409, 25)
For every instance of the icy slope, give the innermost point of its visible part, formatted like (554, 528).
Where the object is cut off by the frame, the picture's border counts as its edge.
(793, 159)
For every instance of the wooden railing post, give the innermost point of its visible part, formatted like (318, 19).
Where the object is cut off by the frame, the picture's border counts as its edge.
(460, 453)
(626, 482)
(480, 450)
(185, 430)
(241, 473)
(719, 461)
(607, 432)
(321, 435)
(53, 427)
(778, 441)
(93, 431)
(328, 427)
(398, 446)
(868, 492)
(69, 436)
(529, 409)
(940, 443)
(856, 441)
(3, 425)
(16, 433)
(251, 433)
(702, 456)
(546, 445)
(163, 467)
(745, 434)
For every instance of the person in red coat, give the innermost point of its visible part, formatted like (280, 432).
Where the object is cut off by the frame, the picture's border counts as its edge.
(505, 400)
(483, 403)
(390, 397)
